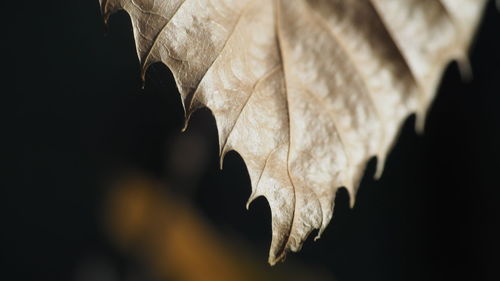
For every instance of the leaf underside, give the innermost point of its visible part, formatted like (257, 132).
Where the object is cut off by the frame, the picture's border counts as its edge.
(306, 91)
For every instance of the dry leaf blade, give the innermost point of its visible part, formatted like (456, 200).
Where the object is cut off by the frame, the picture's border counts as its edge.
(306, 91)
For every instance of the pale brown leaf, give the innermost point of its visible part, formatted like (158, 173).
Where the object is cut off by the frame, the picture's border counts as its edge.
(306, 91)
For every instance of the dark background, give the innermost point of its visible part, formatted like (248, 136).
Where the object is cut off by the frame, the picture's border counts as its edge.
(80, 116)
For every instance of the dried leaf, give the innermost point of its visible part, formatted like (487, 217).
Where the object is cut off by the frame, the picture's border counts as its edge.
(306, 91)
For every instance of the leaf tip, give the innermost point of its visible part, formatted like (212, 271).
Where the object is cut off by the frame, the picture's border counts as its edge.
(104, 11)
(222, 154)
(420, 122)
(380, 166)
(465, 68)
(272, 261)
(274, 258)
(186, 124)
(319, 235)
(250, 200)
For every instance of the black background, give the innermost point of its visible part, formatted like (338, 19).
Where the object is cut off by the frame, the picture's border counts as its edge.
(80, 114)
